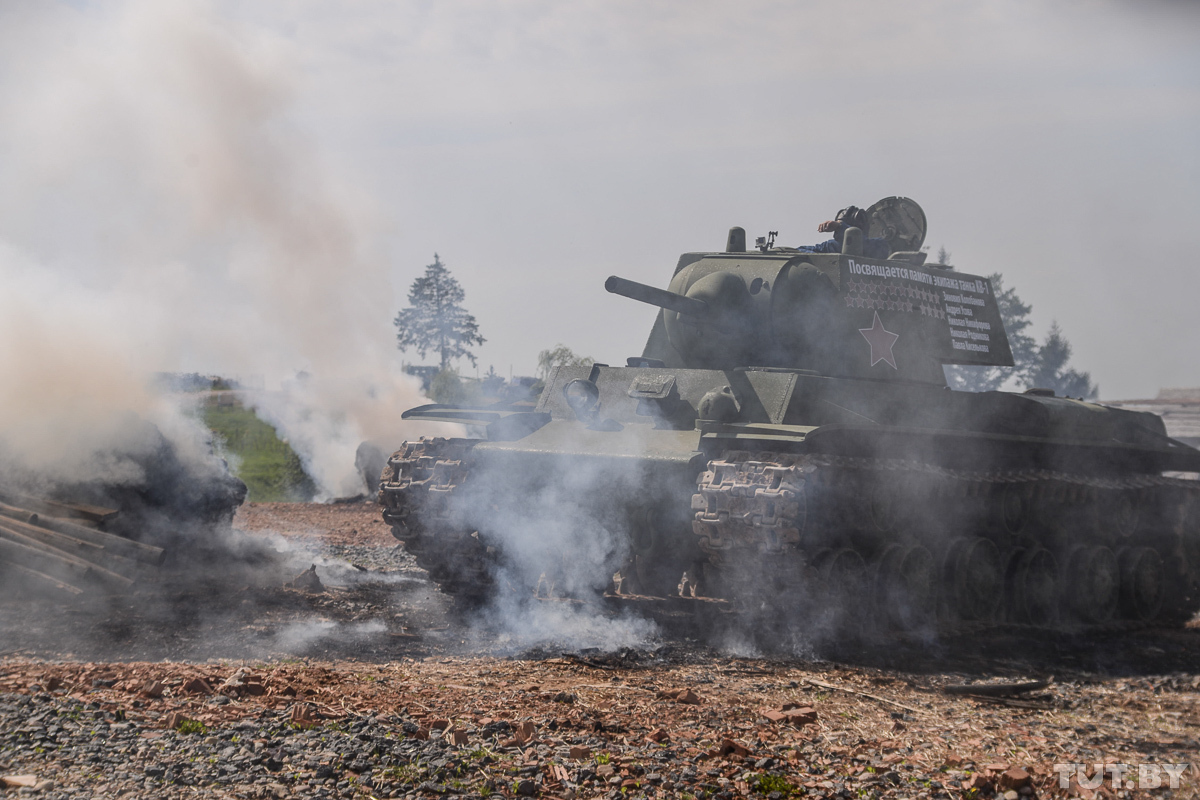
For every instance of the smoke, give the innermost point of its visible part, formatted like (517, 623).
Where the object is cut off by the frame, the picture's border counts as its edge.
(161, 211)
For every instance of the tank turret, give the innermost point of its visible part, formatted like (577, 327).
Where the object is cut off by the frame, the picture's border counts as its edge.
(835, 314)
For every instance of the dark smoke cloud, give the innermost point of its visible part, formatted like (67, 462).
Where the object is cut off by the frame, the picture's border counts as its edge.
(161, 211)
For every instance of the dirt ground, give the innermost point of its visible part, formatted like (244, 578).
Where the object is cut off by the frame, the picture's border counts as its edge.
(661, 714)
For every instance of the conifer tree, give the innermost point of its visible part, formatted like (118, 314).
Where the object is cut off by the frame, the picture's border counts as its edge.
(435, 319)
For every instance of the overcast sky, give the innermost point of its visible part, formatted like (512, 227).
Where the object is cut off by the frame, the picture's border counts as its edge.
(539, 147)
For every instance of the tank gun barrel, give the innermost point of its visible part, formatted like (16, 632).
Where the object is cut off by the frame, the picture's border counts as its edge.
(656, 297)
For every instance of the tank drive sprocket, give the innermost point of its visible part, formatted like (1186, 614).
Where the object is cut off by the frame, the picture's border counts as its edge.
(418, 491)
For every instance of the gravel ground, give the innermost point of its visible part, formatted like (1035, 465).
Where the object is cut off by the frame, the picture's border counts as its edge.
(237, 685)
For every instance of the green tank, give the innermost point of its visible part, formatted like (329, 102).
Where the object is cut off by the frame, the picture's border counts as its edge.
(786, 446)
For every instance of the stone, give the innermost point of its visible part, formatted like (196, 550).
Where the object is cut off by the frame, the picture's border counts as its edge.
(307, 581)
(1011, 794)
(605, 770)
(17, 781)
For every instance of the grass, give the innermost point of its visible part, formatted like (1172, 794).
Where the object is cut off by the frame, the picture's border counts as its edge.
(269, 467)
(189, 726)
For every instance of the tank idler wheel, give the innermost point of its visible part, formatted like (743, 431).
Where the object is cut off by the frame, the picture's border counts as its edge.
(1032, 584)
(1142, 583)
(974, 580)
(902, 581)
(1093, 583)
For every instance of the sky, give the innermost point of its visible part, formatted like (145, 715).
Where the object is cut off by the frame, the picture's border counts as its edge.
(250, 188)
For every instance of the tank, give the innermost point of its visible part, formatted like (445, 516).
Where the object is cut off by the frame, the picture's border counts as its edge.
(786, 447)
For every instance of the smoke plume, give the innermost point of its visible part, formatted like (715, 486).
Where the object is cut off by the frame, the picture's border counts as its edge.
(161, 211)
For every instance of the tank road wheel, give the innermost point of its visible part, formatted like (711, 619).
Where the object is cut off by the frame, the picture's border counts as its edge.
(1016, 507)
(974, 580)
(902, 581)
(1093, 583)
(1120, 513)
(841, 574)
(882, 504)
(1033, 586)
(1142, 583)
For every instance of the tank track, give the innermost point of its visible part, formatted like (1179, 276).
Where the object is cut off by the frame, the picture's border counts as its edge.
(416, 490)
(919, 544)
(838, 539)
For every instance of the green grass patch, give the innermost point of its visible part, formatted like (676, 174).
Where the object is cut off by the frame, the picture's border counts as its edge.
(191, 726)
(269, 467)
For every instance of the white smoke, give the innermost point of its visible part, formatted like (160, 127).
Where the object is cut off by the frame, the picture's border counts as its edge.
(160, 211)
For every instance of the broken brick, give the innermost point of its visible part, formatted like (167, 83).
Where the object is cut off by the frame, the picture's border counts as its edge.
(1013, 778)
(686, 696)
(980, 782)
(730, 747)
(175, 719)
(581, 753)
(524, 732)
(305, 715)
(197, 686)
(792, 714)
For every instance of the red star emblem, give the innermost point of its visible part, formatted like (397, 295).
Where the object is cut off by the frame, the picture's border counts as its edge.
(881, 341)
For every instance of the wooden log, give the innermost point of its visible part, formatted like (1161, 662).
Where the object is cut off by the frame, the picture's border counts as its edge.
(43, 558)
(145, 553)
(42, 578)
(996, 689)
(96, 514)
(92, 553)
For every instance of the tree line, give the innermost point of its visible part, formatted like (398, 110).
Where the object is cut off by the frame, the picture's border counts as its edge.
(436, 322)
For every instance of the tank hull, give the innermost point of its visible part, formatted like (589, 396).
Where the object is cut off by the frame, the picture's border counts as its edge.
(818, 506)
